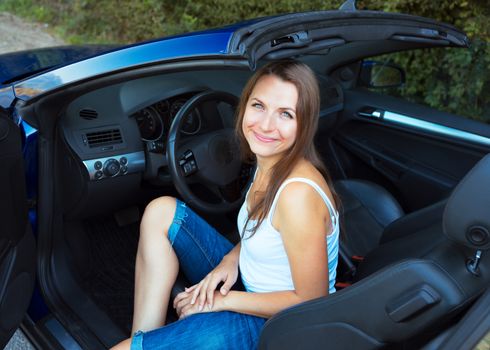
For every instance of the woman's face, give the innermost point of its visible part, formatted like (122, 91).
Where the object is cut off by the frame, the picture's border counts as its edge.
(269, 123)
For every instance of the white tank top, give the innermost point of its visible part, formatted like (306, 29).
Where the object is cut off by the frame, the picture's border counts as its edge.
(264, 264)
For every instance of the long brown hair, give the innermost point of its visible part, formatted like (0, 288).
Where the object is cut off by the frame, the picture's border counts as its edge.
(307, 113)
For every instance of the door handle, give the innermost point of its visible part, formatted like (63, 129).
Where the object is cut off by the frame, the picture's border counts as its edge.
(371, 113)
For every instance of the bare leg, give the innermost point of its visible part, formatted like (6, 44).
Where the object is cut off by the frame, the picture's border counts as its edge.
(157, 266)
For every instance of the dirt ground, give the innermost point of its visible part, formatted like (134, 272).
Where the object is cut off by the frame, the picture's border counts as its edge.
(17, 34)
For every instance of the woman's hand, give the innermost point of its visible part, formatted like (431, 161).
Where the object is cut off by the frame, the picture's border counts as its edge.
(204, 291)
(184, 307)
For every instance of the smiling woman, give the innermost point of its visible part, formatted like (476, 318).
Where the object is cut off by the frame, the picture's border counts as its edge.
(288, 252)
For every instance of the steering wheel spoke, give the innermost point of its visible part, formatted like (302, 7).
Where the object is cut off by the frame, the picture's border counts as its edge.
(228, 193)
(188, 164)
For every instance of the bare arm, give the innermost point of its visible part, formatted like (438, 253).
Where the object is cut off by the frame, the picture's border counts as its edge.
(302, 221)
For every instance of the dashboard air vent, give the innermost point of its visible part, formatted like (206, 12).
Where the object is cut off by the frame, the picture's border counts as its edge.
(88, 114)
(104, 138)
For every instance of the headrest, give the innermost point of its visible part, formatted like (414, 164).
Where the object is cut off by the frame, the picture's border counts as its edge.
(466, 218)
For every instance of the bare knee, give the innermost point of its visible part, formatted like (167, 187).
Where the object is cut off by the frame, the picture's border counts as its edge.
(158, 217)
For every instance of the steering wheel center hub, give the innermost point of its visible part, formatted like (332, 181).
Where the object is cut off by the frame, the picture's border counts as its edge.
(222, 150)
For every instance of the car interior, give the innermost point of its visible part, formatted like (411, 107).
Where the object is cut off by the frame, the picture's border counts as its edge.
(411, 228)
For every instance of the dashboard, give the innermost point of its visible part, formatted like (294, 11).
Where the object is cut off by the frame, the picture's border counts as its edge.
(153, 123)
(122, 129)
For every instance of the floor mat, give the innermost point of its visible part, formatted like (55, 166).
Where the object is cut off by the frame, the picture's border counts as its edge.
(112, 260)
(110, 284)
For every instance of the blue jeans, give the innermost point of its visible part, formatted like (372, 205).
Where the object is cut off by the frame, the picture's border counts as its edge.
(200, 248)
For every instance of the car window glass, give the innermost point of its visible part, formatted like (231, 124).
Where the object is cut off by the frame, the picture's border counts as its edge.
(454, 80)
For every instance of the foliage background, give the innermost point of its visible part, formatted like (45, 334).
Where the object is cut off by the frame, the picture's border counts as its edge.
(457, 81)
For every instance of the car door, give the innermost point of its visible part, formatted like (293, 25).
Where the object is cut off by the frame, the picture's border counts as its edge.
(17, 244)
(416, 151)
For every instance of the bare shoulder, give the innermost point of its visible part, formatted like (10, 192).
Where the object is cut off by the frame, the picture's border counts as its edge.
(299, 202)
(306, 170)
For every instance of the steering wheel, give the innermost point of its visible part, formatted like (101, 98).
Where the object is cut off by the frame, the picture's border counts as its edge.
(212, 159)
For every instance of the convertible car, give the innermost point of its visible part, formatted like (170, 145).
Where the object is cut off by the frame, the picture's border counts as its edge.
(87, 140)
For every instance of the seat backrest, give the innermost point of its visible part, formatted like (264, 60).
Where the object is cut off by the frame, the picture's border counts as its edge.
(366, 210)
(466, 217)
(415, 235)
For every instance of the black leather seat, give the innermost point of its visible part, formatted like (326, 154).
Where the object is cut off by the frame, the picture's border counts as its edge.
(415, 235)
(372, 218)
(374, 226)
(366, 210)
(411, 299)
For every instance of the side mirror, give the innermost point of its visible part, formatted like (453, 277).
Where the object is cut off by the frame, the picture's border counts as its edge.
(375, 74)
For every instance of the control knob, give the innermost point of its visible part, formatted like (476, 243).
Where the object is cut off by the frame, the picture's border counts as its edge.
(111, 167)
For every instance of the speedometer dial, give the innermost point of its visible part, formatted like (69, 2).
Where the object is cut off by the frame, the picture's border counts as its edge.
(192, 123)
(150, 124)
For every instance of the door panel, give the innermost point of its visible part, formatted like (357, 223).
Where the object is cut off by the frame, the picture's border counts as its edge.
(420, 161)
(17, 245)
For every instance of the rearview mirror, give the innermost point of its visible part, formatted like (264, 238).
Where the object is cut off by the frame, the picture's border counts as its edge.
(375, 74)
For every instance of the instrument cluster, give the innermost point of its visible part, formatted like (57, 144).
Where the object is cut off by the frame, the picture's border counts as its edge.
(154, 121)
